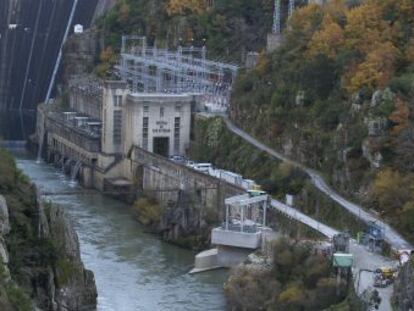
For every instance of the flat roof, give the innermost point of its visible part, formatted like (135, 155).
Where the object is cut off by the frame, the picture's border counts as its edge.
(160, 98)
(151, 95)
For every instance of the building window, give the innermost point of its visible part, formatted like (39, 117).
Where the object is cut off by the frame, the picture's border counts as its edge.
(145, 133)
(177, 124)
(161, 112)
(178, 108)
(146, 109)
(117, 99)
(117, 127)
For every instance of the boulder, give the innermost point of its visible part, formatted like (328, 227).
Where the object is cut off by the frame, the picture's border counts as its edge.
(4, 217)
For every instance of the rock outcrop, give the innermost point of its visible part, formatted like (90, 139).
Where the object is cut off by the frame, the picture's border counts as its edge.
(57, 282)
(4, 217)
(4, 229)
(404, 288)
(74, 286)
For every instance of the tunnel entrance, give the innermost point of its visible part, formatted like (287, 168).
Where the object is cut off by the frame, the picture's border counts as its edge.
(161, 146)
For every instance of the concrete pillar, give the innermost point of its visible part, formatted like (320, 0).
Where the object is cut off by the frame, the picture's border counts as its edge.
(242, 219)
(227, 217)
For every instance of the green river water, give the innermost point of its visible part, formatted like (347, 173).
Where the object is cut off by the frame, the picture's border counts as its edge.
(133, 270)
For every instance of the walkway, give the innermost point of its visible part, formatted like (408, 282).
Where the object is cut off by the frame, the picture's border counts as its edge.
(391, 236)
(305, 219)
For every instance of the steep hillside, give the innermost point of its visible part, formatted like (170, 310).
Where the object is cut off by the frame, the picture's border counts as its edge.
(230, 29)
(40, 261)
(337, 96)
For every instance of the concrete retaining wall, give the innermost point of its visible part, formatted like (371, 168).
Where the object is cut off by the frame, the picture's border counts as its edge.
(163, 179)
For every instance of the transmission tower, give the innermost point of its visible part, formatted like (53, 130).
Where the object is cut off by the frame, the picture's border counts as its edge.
(277, 27)
(291, 7)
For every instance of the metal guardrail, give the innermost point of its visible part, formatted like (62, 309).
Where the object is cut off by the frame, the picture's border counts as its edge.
(13, 144)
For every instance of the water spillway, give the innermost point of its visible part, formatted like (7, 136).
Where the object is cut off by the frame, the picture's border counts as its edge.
(133, 270)
(31, 33)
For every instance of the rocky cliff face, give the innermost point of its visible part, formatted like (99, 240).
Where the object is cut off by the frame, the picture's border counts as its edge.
(404, 288)
(183, 222)
(80, 55)
(52, 273)
(72, 286)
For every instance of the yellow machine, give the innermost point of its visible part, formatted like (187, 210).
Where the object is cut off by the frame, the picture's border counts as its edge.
(257, 187)
(387, 272)
(384, 276)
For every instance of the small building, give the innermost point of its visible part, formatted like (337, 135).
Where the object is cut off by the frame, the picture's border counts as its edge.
(342, 260)
(78, 28)
(155, 122)
(243, 231)
(158, 123)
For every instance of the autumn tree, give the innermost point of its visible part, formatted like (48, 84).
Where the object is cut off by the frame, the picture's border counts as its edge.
(304, 23)
(391, 190)
(107, 58)
(400, 117)
(366, 28)
(409, 54)
(124, 11)
(328, 40)
(377, 69)
(179, 7)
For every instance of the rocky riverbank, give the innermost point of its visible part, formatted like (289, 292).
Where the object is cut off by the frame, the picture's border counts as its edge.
(39, 251)
(182, 224)
(404, 288)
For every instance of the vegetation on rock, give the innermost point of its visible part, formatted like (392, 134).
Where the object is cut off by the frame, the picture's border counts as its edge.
(230, 29)
(147, 211)
(298, 279)
(337, 95)
(213, 142)
(44, 267)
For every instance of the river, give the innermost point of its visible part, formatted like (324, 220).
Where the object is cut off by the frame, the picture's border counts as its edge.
(133, 270)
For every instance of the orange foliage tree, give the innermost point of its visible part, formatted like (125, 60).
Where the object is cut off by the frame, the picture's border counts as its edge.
(328, 40)
(400, 117)
(178, 7)
(377, 69)
(366, 27)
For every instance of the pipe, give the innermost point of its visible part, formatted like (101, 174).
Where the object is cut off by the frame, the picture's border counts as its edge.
(59, 58)
(29, 62)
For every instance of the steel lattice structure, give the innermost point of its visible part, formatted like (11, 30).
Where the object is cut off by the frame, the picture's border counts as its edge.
(186, 70)
(277, 14)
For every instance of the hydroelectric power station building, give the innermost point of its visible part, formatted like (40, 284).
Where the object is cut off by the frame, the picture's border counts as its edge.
(95, 134)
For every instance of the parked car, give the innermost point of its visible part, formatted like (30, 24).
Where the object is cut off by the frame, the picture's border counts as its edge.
(178, 159)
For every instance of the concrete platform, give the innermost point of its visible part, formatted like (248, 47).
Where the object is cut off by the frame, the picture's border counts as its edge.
(236, 239)
(220, 257)
(205, 261)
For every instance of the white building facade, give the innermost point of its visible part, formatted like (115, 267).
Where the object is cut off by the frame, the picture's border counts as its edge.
(156, 122)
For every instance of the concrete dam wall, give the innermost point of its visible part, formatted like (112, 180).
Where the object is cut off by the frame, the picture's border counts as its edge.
(30, 36)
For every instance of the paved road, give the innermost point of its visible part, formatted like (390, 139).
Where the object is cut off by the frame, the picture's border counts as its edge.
(391, 236)
(363, 259)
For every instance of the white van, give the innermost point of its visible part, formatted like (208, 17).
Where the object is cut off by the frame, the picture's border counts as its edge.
(203, 167)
